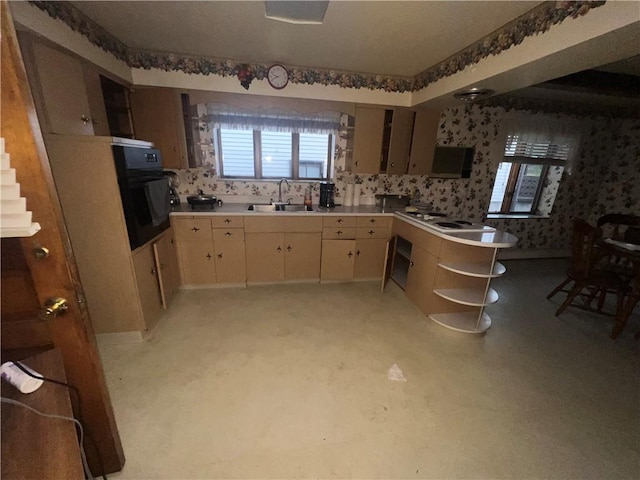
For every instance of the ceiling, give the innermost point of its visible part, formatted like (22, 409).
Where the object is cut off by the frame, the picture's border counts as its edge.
(390, 38)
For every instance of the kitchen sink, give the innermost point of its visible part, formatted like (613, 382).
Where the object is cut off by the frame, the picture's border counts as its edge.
(278, 207)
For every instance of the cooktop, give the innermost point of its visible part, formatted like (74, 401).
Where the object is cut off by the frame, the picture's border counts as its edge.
(442, 223)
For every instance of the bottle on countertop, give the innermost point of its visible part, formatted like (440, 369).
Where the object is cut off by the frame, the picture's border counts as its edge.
(308, 202)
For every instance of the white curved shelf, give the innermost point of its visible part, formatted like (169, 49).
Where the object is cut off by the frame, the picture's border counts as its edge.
(14, 232)
(465, 322)
(474, 269)
(468, 296)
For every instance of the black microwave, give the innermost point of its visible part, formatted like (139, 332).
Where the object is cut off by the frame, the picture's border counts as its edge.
(452, 162)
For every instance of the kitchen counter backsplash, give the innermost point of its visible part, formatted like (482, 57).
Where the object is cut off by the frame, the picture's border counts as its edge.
(605, 178)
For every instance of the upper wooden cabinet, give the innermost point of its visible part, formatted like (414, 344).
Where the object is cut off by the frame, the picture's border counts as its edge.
(382, 140)
(425, 132)
(157, 117)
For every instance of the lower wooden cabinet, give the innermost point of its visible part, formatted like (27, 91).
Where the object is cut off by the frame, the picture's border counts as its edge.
(338, 259)
(369, 259)
(165, 254)
(197, 264)
(422, 268)
(146, 271)
(229, 255)
(273, 257)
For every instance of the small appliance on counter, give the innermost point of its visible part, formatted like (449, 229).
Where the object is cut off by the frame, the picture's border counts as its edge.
(327, 192)
(174, 183)
(202, 200)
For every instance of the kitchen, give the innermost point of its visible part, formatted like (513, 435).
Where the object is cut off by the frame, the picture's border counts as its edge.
(471, 125)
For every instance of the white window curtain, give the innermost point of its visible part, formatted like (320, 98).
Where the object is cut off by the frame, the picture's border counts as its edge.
(275, 120)
(541, 139)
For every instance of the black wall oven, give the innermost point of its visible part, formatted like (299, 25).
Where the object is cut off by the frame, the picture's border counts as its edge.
(144, 191)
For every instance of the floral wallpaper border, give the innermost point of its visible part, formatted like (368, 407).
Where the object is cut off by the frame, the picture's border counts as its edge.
(536, 21)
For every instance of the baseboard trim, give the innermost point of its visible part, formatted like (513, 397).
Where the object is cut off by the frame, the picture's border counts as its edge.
(518, 254)
(120, 338)
(195, 286)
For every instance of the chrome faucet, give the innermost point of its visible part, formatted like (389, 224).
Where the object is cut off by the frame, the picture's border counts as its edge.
(280, 188)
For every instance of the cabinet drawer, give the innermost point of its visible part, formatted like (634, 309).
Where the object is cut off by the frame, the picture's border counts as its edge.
(331, 221)
(373, 221)
(192, 229)
(338, 233)
(230, 221)
(282, 223)
(372, 232)
(229, 234)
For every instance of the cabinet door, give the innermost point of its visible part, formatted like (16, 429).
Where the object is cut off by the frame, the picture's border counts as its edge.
(367, 142)
(144, 264)
(157, 117)
(369, 260)
(95, 100)
(338, 257)
(166, 265)
(425, 132)
(422, 268)
(197, 264)
(400, 144)
(265, 257)
(302, 255)
(230, 255)
(62, 91)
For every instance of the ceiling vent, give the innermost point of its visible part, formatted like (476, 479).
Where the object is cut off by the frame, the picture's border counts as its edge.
(298, 12)
(474, 94)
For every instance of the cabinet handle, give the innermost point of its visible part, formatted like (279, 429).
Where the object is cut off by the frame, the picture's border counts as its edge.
(208, 256)
(339, 220)
(357, 253)
(393, 164)
(289, 248)
(373, 220)
(219, 255)
(228, 234)
(349, 254)
(411, 264)
(195, 229)
(371, 232)
(279, 249)
(339, 232)
(85, 119)
(153, 271)
(172, 242)
(356, 164)
(226, 220)
(413, 165)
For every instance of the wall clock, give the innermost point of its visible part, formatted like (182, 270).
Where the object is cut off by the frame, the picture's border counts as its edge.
(278, 76)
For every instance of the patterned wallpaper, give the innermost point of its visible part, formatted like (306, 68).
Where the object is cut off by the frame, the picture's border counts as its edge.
(605, 178)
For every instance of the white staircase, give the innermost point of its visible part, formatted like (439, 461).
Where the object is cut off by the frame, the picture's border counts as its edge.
(15, 219)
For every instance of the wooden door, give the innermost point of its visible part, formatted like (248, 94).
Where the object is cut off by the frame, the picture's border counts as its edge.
(95, 100)
(197, 264)
(400, 145)
(230, 254)
(338, 257)
(367, 140)
(422, 268)
(265, 257)
(147, 273)
(157, 117)
(62, 91)
(54, 275)
(369, 261)
(302, 253)
(423, 144)
(167, 267)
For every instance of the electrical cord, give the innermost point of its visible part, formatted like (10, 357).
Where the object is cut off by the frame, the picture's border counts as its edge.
(74, 389)
(85, 465)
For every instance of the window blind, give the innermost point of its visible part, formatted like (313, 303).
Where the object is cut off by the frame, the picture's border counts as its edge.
(518, 149)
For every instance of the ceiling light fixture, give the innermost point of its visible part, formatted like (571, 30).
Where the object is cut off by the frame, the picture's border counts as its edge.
(473, 94)
(298, 12)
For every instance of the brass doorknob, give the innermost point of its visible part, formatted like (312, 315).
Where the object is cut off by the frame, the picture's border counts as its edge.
(54, 307)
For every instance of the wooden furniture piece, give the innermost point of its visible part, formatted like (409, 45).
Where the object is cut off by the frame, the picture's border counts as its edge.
(53, 274)
(35, 446)
(158, 118)
(582, 271)
(96, 224)
(283, 247)
(448, 276)
(423, 144)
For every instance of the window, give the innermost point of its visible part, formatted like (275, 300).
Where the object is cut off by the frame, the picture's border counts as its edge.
(272, 144)
(522, 176)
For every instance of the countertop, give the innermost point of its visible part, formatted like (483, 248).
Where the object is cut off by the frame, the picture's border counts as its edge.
(495, 239)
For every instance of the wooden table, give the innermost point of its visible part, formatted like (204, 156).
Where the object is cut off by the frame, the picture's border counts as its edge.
(634, 297)
(35, 447)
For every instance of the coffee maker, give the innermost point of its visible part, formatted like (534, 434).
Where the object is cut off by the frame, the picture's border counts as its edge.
(327, 190)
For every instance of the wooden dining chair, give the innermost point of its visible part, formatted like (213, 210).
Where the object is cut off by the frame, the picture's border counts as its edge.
(619, 226)
(588, 280)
